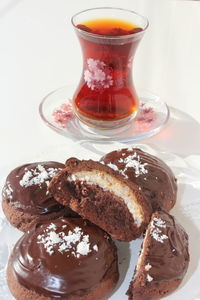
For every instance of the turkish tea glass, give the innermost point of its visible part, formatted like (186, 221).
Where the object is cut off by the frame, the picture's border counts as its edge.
(106, 97)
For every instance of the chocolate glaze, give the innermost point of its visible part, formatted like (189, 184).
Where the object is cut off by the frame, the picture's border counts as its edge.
(72, 162)
(92, 205)
(162, 265)
(58, 275)
(34, 199)
(169, 260)
(158, 183)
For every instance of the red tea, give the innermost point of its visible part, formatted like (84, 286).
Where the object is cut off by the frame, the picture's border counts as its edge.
(109, 27)
(106, 91)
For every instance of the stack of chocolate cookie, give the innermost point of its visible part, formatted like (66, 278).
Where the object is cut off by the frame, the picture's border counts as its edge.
(69, 213)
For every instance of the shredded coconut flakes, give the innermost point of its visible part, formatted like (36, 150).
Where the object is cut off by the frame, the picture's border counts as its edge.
(37, 176)
(8, 191)
(149, 278)
(95, 247)
(147, 267)
(159, 222)
(75, 241)
(112, 166)
(131, 161)
(134, 161)
(156, 232)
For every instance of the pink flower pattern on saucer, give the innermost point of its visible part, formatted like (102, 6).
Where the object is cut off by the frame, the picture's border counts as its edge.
(146, 116)
(63, 114)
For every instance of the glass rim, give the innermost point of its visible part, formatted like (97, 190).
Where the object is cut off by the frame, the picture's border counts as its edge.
(109, 36)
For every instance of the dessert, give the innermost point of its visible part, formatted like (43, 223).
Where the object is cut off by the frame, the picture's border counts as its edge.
(104, 197)
(25, 198)
(152, 176)
(163, 261)
(67, 258)
(61, 257)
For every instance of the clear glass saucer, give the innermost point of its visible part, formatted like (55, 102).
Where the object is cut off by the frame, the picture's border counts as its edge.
(56, 111)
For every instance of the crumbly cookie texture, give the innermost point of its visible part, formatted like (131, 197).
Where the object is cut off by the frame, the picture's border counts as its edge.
(95, 191)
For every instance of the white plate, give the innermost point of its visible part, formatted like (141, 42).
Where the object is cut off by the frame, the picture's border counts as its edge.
(186, 210)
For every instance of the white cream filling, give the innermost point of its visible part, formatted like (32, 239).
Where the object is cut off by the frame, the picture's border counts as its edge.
(113, 185)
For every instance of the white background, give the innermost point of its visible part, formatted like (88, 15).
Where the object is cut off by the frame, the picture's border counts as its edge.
(39, 52)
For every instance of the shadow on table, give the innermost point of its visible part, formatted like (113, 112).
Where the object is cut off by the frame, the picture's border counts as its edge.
(180, 136)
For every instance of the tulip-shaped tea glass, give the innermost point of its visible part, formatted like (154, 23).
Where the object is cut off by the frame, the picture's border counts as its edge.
(105, 104)
(106, 97)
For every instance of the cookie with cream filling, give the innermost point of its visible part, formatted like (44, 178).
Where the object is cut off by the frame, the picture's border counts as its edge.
(99, 194)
